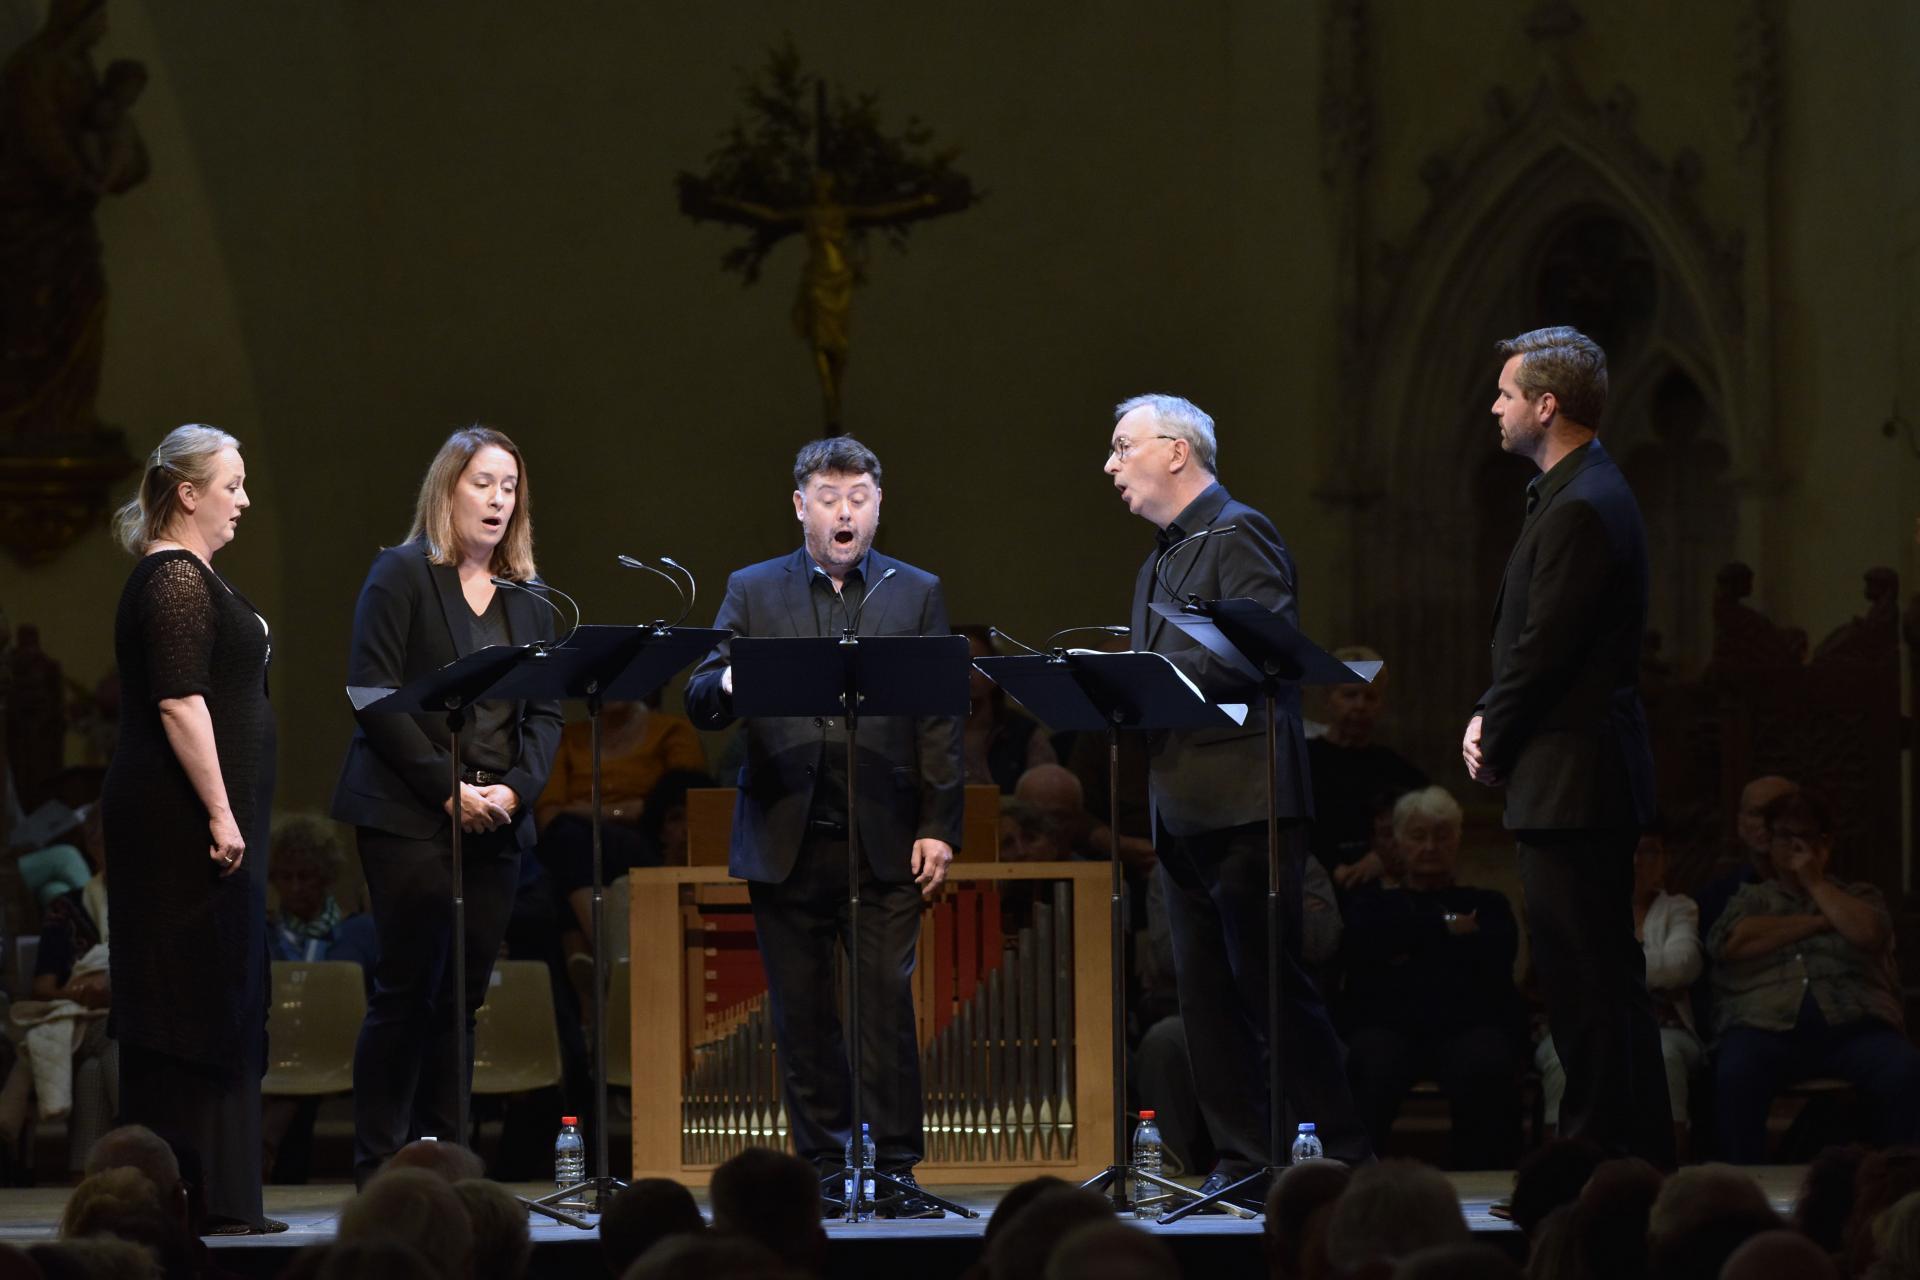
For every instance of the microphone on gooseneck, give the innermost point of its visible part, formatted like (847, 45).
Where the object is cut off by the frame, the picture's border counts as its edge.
(538, 591)
(693, 585)
(995, 633)
(1100, 630)
(686, 605)
(853, 626)
(1191, 539)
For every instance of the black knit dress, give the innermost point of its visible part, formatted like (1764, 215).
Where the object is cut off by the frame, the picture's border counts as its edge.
(189, 958)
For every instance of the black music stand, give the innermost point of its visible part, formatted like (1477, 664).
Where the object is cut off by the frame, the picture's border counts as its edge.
(1269, 651)
(599, 664)
(452, 690)
(854, 676)
(1110, 692)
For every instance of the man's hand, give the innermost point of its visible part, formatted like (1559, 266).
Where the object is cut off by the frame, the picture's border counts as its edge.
(726, 680)
(477, 812)
(1476, 763)
(1463, 923)
(930, 859)
(1800, 863)
(1360, 871)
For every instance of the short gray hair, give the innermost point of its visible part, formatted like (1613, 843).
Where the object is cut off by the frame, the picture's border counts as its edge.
(1436, 803)
(1183, 420)
(1392, 1209)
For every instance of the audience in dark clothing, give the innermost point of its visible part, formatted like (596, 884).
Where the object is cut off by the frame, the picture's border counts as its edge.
(1429, 991)
(1351, 772)
(1000, 743)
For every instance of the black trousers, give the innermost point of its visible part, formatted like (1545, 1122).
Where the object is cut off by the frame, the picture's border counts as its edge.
(1579, 893)
(1216, 887)
(404, 1085)
(1477, 1069)
(802, 922)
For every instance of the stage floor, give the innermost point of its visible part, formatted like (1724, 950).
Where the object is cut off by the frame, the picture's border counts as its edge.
(312, 1213)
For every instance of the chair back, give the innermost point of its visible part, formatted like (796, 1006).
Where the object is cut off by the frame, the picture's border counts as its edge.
(312, 1026)
(516, 1039)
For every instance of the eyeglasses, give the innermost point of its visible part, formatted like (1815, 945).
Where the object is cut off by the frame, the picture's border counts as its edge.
(1123, 448)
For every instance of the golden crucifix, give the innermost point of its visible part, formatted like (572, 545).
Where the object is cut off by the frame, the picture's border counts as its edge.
(832, 176)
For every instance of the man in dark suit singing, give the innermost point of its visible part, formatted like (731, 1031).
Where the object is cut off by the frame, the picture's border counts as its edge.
(1562, 731)
(791, 824)
(1209, 802)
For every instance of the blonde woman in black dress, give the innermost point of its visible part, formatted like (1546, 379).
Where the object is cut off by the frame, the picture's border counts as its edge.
(186, 804)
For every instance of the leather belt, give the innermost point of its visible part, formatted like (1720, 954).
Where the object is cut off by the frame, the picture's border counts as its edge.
(482, 777)
(826, 827)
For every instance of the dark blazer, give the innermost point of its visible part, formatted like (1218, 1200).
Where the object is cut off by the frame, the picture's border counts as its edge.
(1210, 779)
(412, 619)
(1563, 724)
(911, 781)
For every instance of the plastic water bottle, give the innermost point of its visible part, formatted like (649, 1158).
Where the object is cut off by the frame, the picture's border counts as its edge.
(864, 1163)
(1149, 1156)
(569, 1155)
(1306, 1146)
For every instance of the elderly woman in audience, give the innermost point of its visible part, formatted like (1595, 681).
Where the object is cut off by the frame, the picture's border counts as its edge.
(1429, 991)
(1667, 925)
(307, 857)
(1804, 985)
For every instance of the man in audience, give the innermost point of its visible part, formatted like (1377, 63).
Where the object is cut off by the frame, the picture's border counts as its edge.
(1020, 1250)
(1753, 848)
(1703, 1214)
(447, 1160)
(1392, 1209)
(1048, 818)
(1111, 1251)
(1429, 991)
(642, 1214)
(502, 1246)
(774, 1199)
(418, 1209)
(1778, 1254)
(1804, 984)
(1293, 1198)
(1349, 769)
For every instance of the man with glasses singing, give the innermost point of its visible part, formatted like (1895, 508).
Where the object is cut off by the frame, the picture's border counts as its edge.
(1209, 800)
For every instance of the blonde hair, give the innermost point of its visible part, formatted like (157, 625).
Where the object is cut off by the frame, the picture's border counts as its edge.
(184, 457)
(433, 513)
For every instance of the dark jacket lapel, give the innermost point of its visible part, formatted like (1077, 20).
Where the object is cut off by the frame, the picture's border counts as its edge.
(796, 584)
(453, 605)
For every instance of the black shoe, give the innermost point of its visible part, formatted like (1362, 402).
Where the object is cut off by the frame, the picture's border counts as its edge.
(1252, 1196)
(905, 1200)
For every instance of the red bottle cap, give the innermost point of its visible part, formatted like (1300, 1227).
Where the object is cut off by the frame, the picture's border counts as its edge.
(569, 1119)
(1146, 1115)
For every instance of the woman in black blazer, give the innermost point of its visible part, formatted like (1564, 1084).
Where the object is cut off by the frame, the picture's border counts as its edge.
(424, 604)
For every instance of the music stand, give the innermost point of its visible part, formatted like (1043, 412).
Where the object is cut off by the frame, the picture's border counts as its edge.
(599, 664)
(1263, 646)
(854, 676)
(452, 690)
(1110, 692)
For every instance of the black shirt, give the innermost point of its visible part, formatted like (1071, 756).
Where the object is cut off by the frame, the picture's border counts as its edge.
(832, 611)
(488, 742)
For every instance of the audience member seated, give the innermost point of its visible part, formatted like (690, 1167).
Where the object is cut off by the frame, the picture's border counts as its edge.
(372, 1259)
(1549, 1177)
(1299, 1191)
(448, 1161)
(1804, 985)
(1703, 1214)
(1000, 742)
(1022, 1248)
(418, 1209)
(1111, 1251)
(67, 1063)
(1780, 1254)
(1018, 1197)
(1429, 991)
(50, 847)
(1896, 1238)
(1046, 819)
(1752, 858)
(639, 745)
(1349, 770)
(1667, 925)
(642, 1214)
(773, 1199)
(1468, 1261)
(1391, 1210)
(93, 1258)
(1883, 1180)
(1825, 1203)
(710, 1257)
(502, 1246)
(304, 861)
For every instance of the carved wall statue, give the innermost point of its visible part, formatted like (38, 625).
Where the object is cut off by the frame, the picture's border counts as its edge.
(830, 174)
(67, 140)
